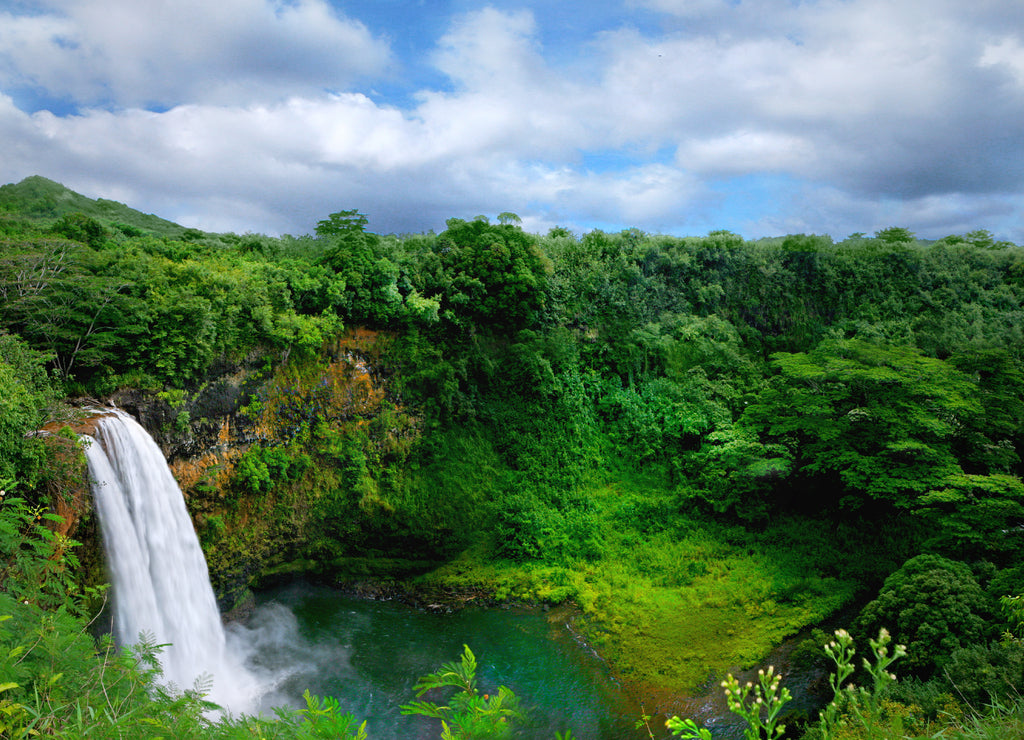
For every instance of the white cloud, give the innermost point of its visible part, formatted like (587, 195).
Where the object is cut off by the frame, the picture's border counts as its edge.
(147, 52)
(653, 194)
(685, 8)
(507, 101)
(1007, 53)
(744, 151)
(489, 48)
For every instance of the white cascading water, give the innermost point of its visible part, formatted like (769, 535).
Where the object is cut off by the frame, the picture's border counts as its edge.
(160, 582)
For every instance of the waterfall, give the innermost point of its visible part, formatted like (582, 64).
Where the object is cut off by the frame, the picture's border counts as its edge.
(160, 582)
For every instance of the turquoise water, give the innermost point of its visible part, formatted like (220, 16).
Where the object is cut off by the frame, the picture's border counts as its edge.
(368, 655)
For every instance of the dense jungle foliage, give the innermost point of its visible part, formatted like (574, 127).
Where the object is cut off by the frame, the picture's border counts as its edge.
(707, 443)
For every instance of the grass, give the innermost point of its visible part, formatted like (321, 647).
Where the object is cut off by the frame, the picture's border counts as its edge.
(998, 722)
(672, 600)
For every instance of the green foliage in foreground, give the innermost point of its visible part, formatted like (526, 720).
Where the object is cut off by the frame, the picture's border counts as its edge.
(759, 705)
(468, 715)
(871, 711)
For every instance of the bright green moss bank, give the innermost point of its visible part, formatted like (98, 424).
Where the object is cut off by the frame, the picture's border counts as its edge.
(670, 607)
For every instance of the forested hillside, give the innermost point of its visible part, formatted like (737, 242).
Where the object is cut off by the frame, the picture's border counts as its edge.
(707, 443)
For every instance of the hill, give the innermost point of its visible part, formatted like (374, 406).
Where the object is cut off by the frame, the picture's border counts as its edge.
(43, 201)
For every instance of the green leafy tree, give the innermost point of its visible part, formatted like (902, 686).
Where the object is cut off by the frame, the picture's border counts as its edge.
(875, 421)
(26, 401)
(983, 674)
(737, 473)
(369, 281)
(934, 606)
(994, 440)
(895, 235)
(493, 276)
(342, 223)
(975, 516)
(57, 303)
(81, 228)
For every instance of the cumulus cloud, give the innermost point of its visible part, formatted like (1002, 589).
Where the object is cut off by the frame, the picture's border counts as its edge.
(859, 113)
(744, 151)
(151, 53)
(883, 98)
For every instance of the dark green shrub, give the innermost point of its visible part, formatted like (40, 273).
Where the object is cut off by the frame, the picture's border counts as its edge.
(81, 228)
(933, 606)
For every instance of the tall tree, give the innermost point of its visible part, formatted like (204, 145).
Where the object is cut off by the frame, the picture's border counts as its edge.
(875, 422)
(494, 276)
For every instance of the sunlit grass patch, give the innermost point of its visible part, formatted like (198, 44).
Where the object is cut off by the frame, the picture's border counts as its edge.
(672, 600)
(682, 611)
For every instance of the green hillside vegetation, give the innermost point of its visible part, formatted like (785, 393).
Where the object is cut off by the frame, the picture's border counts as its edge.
(706, 443)
(41, 202)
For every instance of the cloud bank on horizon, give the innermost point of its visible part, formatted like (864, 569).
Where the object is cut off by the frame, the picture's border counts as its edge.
(671, 116)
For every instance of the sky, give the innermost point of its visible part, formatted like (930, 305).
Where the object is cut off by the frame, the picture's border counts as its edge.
(763, 117)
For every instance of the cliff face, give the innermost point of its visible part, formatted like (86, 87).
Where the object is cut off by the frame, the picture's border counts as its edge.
(246, 449)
